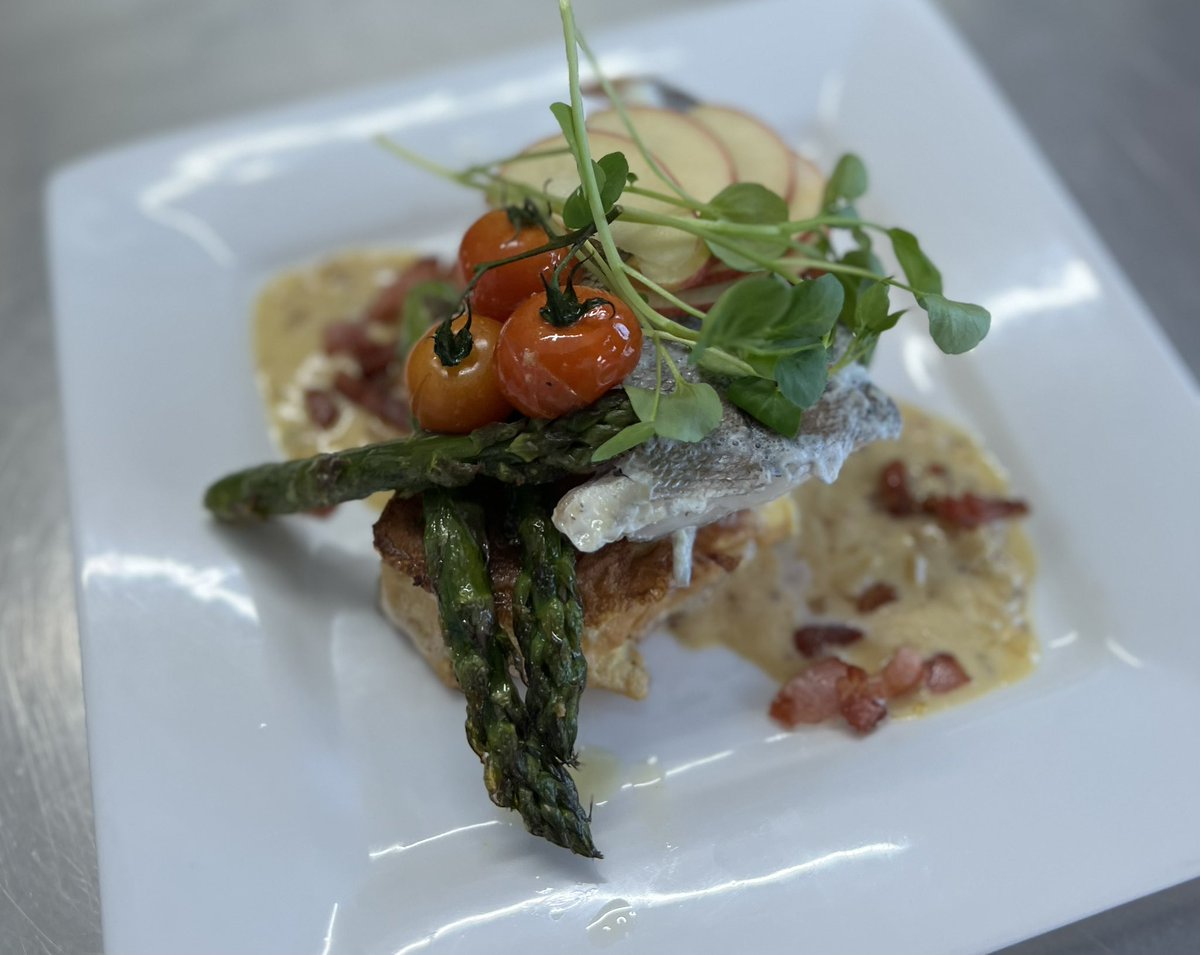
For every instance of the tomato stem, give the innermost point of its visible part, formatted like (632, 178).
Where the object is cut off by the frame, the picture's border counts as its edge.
(563, 308)
(452, 347)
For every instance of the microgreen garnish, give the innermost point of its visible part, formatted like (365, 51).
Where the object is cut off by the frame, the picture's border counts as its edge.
(770, 340)
(748, 202)
(763, 400)
(847, 182)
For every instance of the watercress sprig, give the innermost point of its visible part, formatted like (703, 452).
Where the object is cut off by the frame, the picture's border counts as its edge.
(769, 340)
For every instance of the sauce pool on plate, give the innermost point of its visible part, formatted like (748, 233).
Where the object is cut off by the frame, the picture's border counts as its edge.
(857, 582)
(863, 582)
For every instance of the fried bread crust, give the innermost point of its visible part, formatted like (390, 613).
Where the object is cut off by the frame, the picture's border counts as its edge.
(626, 587)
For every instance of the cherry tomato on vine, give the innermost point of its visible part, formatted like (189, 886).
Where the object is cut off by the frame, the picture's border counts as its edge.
(494, 236)
(551, 366)
(455, 399)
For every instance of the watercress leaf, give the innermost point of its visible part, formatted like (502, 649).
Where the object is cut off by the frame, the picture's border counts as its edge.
(642, 400)
(863, 238)
(742, 312)
(813, 308)
(577, 213)
(921, 273)
(722, 363)
(863, 258)
(737, 254)
(753, 204)
(802, 375)
(871, 309)
(955, 327)
(566, 122)
(748, 202)
(851, 284)
(425, 304)
(847, 183)
(762, 399)
(746, 255)
(865, 343)
(612, 171)
(625, 439)
(689, 412)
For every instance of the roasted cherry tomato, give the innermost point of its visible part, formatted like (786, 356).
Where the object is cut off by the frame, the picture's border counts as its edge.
(492, 237)
(458, 398)
(548, 369)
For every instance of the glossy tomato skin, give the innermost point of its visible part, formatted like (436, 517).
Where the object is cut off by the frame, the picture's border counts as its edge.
(461, 398)
(493, 236)
(546, 372)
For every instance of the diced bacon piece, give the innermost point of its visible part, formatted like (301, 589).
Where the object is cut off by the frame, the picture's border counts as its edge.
(944, 673)
(381, 400)
(894, 493)
(350, 386)
(374, 357)
(322, 410)
(811, 696)
(969, 511)
(351, 338)
(903, 673)
(812, 639)
(875, 596)
(861, 699)
(388, 305)
(343, 338)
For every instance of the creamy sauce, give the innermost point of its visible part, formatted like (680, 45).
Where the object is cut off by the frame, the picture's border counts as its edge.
(962, 592)
(290, 317)
(958, 591)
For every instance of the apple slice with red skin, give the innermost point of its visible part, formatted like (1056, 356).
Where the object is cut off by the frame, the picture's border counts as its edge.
(808, 189)
(667, 256)
(759, 155)
(698, 161)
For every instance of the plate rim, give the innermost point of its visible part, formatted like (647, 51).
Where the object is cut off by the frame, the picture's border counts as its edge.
(68, 178)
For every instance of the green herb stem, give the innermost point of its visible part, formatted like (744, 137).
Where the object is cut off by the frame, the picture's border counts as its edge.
(663, 293)
(587, 174)
(619, 105)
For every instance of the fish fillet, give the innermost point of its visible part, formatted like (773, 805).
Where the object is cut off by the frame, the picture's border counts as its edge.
(663, 486)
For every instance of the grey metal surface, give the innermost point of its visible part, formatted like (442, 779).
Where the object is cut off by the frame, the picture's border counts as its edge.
(1109, 88)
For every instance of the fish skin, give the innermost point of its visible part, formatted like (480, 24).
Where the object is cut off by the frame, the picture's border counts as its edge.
(664, 486)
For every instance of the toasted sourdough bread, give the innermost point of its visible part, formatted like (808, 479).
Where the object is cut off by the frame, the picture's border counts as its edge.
(626, 587)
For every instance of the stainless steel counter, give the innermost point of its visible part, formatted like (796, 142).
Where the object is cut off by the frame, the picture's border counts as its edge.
(1109, 88)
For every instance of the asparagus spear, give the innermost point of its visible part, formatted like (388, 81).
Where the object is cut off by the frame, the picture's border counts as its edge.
(524, 451)
(518, 772)
(548, 623)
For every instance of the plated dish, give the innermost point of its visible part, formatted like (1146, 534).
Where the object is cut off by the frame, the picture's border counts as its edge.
(604, 410)
(206, 762)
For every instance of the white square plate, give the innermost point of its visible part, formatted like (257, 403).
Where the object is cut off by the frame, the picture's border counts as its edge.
(275, 771)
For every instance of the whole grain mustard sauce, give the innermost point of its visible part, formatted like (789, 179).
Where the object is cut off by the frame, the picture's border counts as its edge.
(963, 592)
(290, 318)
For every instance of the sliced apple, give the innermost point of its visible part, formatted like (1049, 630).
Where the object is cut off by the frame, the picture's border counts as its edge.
(667, 256)
(698, 161)
(759, 155)
(808, 189)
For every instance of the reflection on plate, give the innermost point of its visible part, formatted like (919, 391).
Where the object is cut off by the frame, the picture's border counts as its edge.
(275, 771)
